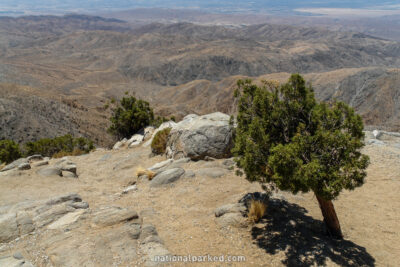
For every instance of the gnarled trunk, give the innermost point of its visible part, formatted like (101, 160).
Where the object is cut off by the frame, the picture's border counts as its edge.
(330, 218)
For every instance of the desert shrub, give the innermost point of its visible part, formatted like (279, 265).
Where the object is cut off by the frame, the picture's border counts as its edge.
(75, 152)
(159, 143)
(129, 116)
(59, 145)
(256, 211)
(142, 171)
(9, 151)
(286, 137)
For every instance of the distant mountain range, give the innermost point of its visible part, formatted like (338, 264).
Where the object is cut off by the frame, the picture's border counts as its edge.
(274, 6)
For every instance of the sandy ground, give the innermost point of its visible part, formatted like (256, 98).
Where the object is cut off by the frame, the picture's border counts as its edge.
(291, 233)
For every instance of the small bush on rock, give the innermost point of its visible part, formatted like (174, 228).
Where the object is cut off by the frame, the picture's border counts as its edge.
(159, 143)
(9, 151)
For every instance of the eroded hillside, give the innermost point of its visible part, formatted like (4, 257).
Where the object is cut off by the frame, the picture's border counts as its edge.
(80, 62)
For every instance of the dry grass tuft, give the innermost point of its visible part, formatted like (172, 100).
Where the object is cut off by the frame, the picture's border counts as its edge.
(256, 211)
(142, 171)
(2, 166)
(75, 152)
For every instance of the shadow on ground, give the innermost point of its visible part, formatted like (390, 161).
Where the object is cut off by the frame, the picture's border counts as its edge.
(287, 228)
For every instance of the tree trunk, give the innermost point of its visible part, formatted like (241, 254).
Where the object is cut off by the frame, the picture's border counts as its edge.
(330, 218)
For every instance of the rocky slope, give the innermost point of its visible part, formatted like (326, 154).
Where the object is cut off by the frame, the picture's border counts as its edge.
(108, 216)
(181, 68)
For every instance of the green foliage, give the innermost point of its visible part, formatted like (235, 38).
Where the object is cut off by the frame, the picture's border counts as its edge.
(9, 151)
(286, 137)
(64, 144)
(159, 143)
(130, 116)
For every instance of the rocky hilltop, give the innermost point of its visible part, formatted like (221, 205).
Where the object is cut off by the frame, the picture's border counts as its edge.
(93, 210)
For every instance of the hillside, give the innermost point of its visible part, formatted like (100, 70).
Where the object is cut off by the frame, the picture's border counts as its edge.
(82, 61)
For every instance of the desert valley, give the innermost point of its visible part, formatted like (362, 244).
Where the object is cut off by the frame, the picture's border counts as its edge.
(125, 204)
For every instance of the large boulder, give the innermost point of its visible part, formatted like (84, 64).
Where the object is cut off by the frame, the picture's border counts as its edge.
(199, 137)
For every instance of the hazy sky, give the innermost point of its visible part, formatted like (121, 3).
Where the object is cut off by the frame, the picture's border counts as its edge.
(311, 6)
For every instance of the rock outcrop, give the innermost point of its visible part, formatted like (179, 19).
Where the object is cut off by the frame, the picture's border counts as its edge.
(27, 217)
(198, 137)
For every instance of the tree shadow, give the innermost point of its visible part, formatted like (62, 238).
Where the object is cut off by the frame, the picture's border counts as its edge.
(286, 227)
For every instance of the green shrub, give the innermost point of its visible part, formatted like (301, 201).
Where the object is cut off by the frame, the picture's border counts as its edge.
(66, 144)
(9, 151)
(130, 116)
(159, 143)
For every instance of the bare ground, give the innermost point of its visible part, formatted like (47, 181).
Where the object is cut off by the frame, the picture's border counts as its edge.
(291, 233)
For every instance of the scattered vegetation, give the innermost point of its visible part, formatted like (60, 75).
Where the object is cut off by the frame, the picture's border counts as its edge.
(159, 143)
(256, 211)
(142, 171)
(285, 137)
(9, 151)
(129, 116)
(59, 146)
(75, 152)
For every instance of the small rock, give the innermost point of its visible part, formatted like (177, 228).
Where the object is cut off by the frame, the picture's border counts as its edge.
(148, 132)
(40, 163)
(69, 168)
(18, 256)
(160, 165)
(68, 174)
(167, 177)
(35, 157)
(14, 164)
(113, 215)
(376, 134)
(80, 205)
(232, 220)
(13, 262)
(230, 208)
(148, 230)
(60, 199)
(118, 145)
(189, 174)
(129, 189)
(24, 166)
(50, 171)
(135, 140)
(67, 219)
(229, 163)
(257, 196)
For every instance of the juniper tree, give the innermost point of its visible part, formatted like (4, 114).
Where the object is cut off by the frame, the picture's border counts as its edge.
(130, 116)
(286, 137)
